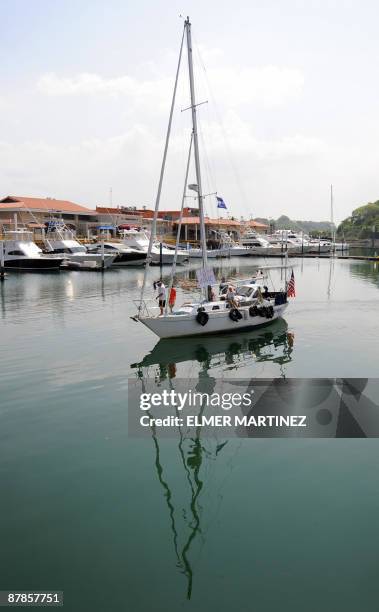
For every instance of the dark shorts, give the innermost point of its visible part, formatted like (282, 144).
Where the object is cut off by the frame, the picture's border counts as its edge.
(162, 303)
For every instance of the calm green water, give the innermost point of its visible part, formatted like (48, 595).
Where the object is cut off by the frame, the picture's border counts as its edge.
(125, 524)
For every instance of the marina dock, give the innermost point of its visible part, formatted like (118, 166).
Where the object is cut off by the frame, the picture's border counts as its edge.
(328, 256)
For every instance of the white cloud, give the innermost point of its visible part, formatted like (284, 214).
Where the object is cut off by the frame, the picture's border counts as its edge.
(268, 86)
(83, 171)
(87, 84)
(138, 94)
(238, 136)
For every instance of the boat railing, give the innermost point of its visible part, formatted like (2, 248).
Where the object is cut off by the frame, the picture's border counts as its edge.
(146, 307)
(17, 236)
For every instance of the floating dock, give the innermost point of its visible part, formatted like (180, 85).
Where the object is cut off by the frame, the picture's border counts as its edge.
(329, 256)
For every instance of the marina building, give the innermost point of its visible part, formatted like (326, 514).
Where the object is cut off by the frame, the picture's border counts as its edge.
(35, 213)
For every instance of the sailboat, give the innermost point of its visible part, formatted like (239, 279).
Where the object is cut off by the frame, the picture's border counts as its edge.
(204, 316)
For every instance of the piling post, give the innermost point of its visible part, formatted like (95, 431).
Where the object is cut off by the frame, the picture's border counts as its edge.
(2, 266)
(102, 254)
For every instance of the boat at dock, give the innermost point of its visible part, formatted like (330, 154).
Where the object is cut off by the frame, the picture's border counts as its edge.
(227, 247)
(288, 241)
(124, 255)
(21, 254)
(161, 253)
(258, 245)
(59, 241)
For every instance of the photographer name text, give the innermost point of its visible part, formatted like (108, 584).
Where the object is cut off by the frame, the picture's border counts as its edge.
(224, 420)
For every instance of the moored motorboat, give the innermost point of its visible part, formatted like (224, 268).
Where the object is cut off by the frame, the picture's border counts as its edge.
(20, 253)
(124, 255)
(160, 253)
(59, 241)
(258, 245)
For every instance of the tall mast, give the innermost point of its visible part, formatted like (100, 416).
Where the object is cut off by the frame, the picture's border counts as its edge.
(332, 213)
(203, 240)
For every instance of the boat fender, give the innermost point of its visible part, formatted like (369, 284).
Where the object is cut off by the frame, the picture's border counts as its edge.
(202, 317)
(235, 314)
(262, 312)
(253, 311)
(270, 312)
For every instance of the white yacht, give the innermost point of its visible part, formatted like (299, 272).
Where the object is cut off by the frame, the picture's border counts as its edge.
(227, 248)
(59, 241)
(22, 254)
(258, 245)
(318, 245)
(161, 253)
(288, 241)
(235, 249)
(197, 253)
(124, 255)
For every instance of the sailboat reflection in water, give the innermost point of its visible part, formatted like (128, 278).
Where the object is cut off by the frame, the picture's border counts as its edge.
(226, 352)
(191, 480)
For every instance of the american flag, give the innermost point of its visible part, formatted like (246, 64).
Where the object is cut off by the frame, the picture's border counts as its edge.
(291, 286)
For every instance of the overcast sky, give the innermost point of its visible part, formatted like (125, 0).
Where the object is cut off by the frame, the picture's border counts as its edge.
(292, 89)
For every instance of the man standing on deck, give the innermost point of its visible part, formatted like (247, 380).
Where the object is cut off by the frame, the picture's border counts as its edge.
(161, 297)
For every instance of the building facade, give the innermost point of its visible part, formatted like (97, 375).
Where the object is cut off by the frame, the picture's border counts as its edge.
(35, 214)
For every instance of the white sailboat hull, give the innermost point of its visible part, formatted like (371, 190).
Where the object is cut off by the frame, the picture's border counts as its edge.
(180, 325)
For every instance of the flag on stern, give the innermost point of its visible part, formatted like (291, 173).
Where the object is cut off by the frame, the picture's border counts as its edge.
(220, 203)
(291, 286)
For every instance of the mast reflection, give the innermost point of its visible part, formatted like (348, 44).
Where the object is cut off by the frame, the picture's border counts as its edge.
(273, 344)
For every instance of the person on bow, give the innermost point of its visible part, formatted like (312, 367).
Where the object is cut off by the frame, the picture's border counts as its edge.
(161, 297)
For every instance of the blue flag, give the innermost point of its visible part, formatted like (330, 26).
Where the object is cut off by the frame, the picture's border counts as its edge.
(220, 203)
